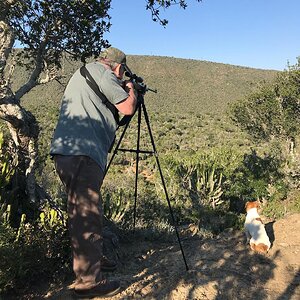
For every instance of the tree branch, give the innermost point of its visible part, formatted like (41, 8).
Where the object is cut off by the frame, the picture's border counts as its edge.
(6, 43)
(33, 80)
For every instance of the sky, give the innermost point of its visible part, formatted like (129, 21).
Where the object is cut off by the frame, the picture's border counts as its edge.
(262, 34)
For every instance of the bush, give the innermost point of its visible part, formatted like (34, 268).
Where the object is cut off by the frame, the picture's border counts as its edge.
(32, 252)
(273, 110)
(257, 177)
(8, 163)
(277, 208)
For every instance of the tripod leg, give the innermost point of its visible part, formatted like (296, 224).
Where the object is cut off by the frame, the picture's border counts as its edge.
(137, 163)
(163, 182)
(116, 148)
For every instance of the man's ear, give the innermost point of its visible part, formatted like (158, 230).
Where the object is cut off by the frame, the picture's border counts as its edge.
(118, 70)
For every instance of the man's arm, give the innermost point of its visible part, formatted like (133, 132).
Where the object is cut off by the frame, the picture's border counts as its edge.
(127, 106)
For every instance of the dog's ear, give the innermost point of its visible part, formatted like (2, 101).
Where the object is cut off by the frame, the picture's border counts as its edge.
(263, 201)
(257, 203)
(246, 204)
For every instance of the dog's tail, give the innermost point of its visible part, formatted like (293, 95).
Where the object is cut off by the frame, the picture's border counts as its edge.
(261, 248)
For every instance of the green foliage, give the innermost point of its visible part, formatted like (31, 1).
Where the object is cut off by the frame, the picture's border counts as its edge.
(32, 252)
(277, 207)
(6, 165)
(48, 28)
(115, 204)
(261, 116)
(152, 210)
(198, 178)
(273, 110)
(221, 180)
(272, 115)
(156, 6)
(215, 221)
(255, 176)
(209, 185)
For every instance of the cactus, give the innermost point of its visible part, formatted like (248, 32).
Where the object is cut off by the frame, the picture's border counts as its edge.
(209, 185)
(6, 166)
(50, 219)
(116, 205)
(21, 227)
(6, 215)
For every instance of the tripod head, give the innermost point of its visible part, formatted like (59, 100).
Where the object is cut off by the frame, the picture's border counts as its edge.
(138, 82)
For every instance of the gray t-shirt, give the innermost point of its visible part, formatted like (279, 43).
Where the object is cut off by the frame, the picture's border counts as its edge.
(85, 125)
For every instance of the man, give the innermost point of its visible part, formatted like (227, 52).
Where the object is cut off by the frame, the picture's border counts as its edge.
(85, 131)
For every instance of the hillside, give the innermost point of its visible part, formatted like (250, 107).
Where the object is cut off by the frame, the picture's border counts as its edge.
(191, 86)
(183, 85)
(188, 111)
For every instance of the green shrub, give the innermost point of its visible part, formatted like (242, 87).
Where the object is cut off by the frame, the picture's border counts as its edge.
(8, 164)
(271, 114)
(200, 177)
(115, 204)
(255, 176)
(277, 208)
(33, 252)
(217, 220)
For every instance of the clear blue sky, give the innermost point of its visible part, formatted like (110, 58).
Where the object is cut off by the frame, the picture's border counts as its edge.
(254, 33)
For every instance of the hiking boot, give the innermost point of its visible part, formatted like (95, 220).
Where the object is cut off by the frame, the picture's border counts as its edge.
(103, 289)
(108, 265)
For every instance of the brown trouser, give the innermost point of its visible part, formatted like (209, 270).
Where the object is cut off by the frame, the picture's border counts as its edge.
(83, 178)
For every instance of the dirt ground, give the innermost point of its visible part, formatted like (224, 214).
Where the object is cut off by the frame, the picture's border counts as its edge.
(219, 268)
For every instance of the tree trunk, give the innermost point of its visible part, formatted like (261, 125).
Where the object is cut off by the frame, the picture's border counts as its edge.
(21, 124)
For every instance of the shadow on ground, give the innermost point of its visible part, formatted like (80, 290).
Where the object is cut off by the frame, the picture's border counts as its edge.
(219, 268)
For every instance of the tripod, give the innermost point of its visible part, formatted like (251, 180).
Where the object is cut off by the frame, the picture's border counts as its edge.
(142, 108)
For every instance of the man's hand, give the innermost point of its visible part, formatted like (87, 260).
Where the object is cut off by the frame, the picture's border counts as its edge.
(127, 107)
(128, 85)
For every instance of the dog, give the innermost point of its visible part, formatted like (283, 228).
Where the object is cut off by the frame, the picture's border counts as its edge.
(255, 229)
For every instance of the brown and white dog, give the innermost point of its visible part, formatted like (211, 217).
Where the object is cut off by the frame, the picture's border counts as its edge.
(255, 229)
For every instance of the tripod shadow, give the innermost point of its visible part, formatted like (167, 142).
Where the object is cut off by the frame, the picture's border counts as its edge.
(291, 289)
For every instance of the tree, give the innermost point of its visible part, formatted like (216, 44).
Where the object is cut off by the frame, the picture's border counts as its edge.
(274, 110)
(156, 6)
(47, 29)
(272, 114)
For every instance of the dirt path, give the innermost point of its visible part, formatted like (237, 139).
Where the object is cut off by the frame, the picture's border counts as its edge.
(220, 268)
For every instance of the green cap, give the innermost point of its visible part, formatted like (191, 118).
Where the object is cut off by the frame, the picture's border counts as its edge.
(114, 54)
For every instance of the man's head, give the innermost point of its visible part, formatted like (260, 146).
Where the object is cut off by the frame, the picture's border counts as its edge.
(115, 58)
(114, 55)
